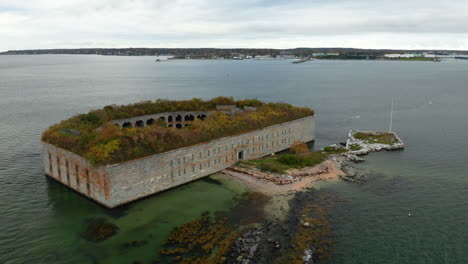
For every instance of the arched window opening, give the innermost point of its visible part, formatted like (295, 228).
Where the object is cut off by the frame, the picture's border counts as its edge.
(189, 118)
(178, 118)
(201, 116)
(127, 124)
(169, 119)
(179, 125)
(171, 125)
(140, 123)
(150, 122)
(162, 118)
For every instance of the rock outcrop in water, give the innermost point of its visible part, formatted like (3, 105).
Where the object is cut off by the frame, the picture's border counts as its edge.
(371, 141)
(99, 230)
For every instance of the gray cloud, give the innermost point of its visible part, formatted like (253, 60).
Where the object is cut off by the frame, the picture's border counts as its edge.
(28, 24)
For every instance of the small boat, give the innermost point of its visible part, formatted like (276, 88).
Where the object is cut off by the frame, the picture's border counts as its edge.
(461, 58)
(301, 60)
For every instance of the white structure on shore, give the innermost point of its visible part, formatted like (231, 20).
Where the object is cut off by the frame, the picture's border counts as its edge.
(402, 55)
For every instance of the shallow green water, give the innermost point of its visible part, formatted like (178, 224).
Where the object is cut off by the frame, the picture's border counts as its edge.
(147, 222)
(41, 220)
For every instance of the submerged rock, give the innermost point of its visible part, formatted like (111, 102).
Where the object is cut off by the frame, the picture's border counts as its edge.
(99, 230)
(246, 246)
(309, 256)
(353, 158)
(351, 173)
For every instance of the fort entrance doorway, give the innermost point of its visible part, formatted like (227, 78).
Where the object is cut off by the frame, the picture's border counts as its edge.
(240, 155)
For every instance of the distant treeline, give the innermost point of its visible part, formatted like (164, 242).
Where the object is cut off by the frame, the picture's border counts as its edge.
(221, 53)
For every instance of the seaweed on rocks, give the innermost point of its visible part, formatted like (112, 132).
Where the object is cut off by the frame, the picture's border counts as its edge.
(211, 239)
(246, 236)
(312, 236)
(260, 245)
(304, 237)
(99, 229)
(203, 241)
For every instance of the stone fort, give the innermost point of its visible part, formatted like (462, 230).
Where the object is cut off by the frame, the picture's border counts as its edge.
(117, 184)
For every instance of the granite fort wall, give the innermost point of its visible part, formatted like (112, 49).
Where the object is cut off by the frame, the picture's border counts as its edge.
(117, 184)
(77, 173)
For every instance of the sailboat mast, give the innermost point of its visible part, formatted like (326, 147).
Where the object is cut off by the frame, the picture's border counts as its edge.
(391, 117)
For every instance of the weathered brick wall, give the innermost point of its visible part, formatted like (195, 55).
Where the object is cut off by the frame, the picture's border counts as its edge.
(121, 183)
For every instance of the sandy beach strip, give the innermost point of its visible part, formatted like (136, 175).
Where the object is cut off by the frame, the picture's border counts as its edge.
(304, 182)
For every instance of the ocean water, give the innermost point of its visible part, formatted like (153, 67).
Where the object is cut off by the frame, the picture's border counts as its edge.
(413, 209)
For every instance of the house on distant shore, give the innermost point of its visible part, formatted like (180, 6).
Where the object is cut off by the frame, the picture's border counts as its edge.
(400, 55)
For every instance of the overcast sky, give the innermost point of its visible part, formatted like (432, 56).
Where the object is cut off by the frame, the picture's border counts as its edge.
(398, 24)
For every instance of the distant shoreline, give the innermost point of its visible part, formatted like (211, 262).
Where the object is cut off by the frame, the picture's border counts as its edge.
(241, 53)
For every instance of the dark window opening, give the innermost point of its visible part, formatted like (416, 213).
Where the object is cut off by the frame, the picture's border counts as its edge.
(171, 125)
(170, 119)
(140, 123)
(189, 118)
(127, 124)
(150, 122)
(178, 125)
(178, 118)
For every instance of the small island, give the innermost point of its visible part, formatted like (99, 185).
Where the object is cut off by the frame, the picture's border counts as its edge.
(119, 154)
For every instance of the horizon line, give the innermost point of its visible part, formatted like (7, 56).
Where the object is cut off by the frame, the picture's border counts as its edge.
(376, 49)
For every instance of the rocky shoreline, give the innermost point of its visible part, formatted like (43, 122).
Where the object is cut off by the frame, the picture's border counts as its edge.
(284, 220)
(337, 166)
(367, 146)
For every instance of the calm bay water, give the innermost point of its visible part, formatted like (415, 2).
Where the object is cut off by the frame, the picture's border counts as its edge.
(413, 209)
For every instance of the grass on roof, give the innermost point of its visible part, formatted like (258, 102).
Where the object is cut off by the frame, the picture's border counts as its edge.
(94, 137)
